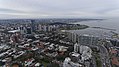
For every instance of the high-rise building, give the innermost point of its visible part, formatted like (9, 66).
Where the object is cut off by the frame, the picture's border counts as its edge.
(76, 47)
(40, 27)
(50, 28)
(28, 30)
(33, 27)
(44, 28)
(22, 29)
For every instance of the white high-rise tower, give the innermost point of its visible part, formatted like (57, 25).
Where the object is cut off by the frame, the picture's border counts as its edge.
(76, 47)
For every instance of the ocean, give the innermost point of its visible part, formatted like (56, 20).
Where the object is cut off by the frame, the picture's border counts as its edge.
(107, 23)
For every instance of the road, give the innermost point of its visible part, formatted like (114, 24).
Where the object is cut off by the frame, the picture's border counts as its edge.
(104, 56)
(93, 61)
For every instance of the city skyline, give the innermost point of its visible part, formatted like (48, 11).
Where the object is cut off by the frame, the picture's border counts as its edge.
(59, 9)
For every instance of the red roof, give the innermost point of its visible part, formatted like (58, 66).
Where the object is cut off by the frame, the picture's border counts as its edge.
(113, 51)
(115, 61)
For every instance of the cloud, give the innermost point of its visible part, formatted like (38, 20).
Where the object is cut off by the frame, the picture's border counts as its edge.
(59, 8)
(3, 10)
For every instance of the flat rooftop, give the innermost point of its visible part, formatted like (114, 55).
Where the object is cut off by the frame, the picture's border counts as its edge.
(14, 31)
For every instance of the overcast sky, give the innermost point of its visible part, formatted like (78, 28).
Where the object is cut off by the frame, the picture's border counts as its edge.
(59, 8)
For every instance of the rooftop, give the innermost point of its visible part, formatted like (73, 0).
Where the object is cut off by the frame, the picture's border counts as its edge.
(14, 31)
